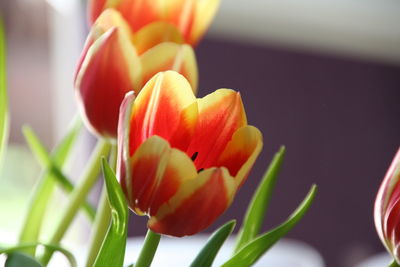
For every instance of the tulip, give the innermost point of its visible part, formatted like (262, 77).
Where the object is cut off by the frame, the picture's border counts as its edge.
(387, 209)
(191, 17)
(181, 159)
(114, 61)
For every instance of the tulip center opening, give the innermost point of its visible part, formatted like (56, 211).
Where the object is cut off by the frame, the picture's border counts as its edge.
(194, 156)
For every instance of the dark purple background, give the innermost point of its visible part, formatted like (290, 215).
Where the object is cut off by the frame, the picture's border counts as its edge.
(340, 121)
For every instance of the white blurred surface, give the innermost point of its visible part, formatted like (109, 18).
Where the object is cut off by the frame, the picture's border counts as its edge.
(367, 29)
(181, 252)
(378, 260)
(66, 37)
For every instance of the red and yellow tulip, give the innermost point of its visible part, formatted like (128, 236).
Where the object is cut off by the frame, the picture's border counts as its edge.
(191, 17)
(182, 159)
(115, 61)
(387, 209)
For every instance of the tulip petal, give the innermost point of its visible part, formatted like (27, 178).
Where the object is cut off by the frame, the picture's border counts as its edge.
(171, 56)
(181, 14)
(196, 205)
(204, 13)
(220, 114)
(146, 162)
(109, 70)
(154, 34)
(156, 173)
(241, 153)
(177, 169)
(138, 13)
(95, 7)
(165, 106)
(110, 18)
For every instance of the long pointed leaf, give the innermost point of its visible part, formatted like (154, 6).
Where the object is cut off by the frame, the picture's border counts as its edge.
(17, 259)
(257, 208)
(42, 194)
(251, 252)
(50, 163)
(112, 251)
(4, 118)
(70, 257)
(208, 253)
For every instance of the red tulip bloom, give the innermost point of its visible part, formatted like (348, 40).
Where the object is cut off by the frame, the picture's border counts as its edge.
(191, 17)
(182, 159)
(387, 209)
(115, 61)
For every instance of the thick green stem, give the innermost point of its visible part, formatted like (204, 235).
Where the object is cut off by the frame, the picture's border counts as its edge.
(103, 218)
(148, 250)
(78, 196)
(394, 264)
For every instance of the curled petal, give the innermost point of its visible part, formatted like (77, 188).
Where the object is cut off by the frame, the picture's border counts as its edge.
(196, 205)
(388, 194)
(123, 159)
(387, 209)
(108, 71)
(223, 112)
(165, 106)
(241, 153)
(171, 56)
(154, 34)
(392, 229)
(203, 15)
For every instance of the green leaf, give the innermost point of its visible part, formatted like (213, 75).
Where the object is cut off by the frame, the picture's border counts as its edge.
(4, 117)
(44, 189)
(50, 163)
(18, 259)
(257, 208)
(62, 150)
(252, 251)
(59, 157)
(14, 250)
(112, 251)
(208, 253)
(68, 187)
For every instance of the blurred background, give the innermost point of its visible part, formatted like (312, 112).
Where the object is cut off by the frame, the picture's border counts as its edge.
(320, 77)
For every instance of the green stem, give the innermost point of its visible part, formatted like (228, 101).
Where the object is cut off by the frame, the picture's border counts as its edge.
(103, 218)
(78, 196)
(148, 250)
(394, 264)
